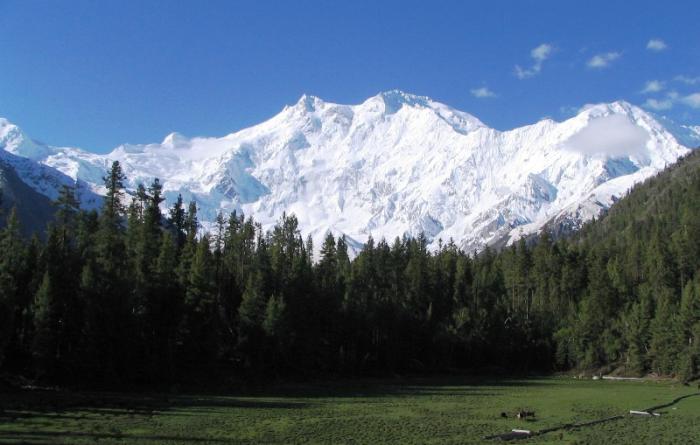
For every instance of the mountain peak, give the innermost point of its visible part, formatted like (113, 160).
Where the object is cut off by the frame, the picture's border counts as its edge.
(395, 164)
(390, 102)
(175, 140)
(16, 141)
(308, 102)
(604, 108)
(9, 131)
(393, 100)
(402, 97)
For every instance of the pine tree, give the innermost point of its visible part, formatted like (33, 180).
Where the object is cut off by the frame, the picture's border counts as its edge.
(51, 305)
(108, 302)
(689, 332)
(200, 314)
(664, 342)
(64, 266)
(176, 218)
(12, 263)
(95, 339)
(146, 250)
(545, 274)
(328, 299)
(66, 215)
(46, 327)
(277, 330)
(251, 315)
(637, 322)
(191, 221)
(114, 183)
(689, 313)
(327, 269)
(110, 243)
(166, 310)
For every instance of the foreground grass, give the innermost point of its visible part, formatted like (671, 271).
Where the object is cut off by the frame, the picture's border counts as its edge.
(411, 411)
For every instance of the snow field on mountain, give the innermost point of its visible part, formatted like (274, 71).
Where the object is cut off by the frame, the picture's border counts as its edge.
(396, 164)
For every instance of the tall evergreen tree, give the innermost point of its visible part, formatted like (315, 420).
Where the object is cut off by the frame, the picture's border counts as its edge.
(12, 263)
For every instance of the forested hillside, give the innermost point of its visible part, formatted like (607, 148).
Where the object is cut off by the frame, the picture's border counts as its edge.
(643, 305)
(133, 296)
(33, 208)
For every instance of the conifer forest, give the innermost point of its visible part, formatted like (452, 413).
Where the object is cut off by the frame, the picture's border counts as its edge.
(130, 295)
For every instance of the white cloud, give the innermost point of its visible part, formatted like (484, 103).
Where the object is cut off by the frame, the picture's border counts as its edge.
(692, 100)
(672, 98)
(656, 45)
(687, 80)
(614, 136)
(522, 73)
(659, 105)
(603, 60)
(653, 86)
(539, 55)
(482, 93)
(542, 52)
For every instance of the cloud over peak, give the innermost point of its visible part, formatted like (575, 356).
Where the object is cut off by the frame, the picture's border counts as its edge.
(612, 136)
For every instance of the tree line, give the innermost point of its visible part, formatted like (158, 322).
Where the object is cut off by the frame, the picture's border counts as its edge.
(129, 295)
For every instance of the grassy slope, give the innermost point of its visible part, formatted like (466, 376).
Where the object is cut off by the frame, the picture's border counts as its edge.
(415, 411)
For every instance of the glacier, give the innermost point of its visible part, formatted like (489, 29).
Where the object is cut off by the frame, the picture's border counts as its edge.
(397, 164)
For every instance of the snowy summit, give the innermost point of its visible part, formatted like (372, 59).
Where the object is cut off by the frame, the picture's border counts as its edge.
(396, 164)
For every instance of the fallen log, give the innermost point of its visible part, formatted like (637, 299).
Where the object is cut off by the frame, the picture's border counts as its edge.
(525, 432)
(510, 435)
(609, 377)
(643, 413)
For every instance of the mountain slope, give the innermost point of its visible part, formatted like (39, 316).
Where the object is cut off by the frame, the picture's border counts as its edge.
(396, 164)
(34, 210)
(28, 158)
(668, 200)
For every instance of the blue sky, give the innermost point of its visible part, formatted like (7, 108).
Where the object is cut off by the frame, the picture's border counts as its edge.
(95, 74)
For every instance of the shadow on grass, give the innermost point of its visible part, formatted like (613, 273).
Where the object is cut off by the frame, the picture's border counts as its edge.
(41, 437)
(33, 407)
(413, 387)
(38, 411)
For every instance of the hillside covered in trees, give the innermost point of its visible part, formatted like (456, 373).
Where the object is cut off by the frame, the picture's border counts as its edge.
(133, 296)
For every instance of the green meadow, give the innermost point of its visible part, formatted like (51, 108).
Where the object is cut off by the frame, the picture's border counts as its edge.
(420, 411)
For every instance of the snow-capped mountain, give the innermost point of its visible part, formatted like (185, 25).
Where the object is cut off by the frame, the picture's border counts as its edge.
(395, 164)
(28, 159)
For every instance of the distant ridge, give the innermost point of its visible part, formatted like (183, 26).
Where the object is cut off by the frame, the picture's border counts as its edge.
(396, 164)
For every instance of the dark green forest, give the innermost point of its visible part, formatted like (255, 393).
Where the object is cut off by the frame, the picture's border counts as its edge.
(132, 296)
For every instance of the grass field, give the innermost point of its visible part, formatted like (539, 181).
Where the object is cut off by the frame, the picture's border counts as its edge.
(446, 410)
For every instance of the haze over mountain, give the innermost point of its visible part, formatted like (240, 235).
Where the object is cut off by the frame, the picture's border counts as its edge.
(396, 164)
